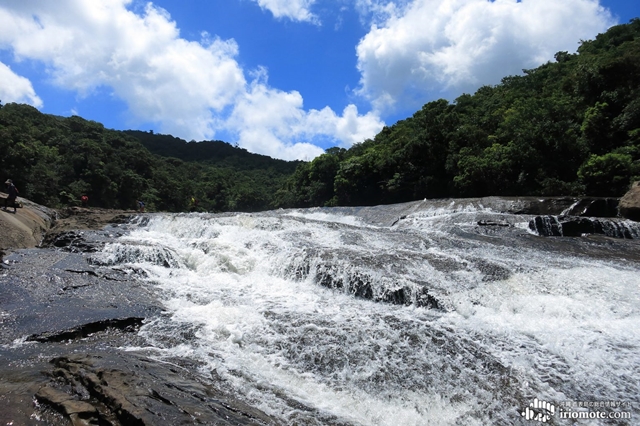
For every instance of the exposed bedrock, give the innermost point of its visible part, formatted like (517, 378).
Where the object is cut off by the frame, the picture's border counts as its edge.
(63, 324)
(124, 389)
(573, 226)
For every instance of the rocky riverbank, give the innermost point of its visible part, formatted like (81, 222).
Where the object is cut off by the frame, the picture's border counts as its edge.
(32, 223)
(65, 321)
(63, 324)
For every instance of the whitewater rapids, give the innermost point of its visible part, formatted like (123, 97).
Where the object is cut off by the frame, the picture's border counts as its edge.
(406, 315)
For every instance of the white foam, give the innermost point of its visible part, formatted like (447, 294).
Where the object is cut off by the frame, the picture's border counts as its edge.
(328, 217)
(556, 325)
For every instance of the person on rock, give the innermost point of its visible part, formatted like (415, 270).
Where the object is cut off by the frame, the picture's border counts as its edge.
(13, 194)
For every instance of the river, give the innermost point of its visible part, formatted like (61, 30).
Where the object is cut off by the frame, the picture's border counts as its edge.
(403, 315)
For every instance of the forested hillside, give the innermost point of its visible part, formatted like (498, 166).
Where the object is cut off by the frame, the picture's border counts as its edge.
(569, 127)
(55, 160)
(217, 153)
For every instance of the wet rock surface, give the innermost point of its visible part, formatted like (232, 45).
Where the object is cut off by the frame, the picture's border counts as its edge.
(593, 207)
(573, 226)
(63, 324)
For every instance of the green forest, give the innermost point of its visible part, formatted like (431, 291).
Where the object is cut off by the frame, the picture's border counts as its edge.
(568, 127)
(55, 160)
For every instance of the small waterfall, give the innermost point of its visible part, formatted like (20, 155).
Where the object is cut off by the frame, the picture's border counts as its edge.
(571, 210)
(546, 226)
(354, 279)
(115, 254)
(593, 207)
(571, 226)
(620, 229)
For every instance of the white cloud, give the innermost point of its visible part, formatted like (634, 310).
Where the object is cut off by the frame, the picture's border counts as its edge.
(274, 122)
(162, 78)
(296, 10)
(192, 89)
(15, 88)
(349, 128)
(439, 48)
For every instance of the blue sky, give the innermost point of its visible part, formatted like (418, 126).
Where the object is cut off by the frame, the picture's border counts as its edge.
(285, 78)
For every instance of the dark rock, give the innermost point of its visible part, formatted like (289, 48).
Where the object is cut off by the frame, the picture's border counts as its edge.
(572, 226)
(491, 223)
(546, 226)
(80, 413)
(364, 286)
(629, 206)
(124, 324)
(73, 241)
(594, 207)
(136, 390)
(576, 226)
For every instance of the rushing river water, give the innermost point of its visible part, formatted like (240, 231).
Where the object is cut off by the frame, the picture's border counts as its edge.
(405, 315)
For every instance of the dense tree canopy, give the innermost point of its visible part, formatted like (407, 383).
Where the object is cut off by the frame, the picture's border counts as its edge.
(569, 127)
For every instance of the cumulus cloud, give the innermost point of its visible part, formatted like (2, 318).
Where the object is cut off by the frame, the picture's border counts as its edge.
(349, 128)
(296, 10)
(15, 88)
(275, 123)
(162, 77)
(438, 48)
(191, 89)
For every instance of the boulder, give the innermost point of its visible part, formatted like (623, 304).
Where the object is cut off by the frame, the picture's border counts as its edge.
(629, 205)
(25, 228)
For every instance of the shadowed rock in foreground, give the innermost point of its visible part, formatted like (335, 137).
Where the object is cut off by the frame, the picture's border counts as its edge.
(135, 390)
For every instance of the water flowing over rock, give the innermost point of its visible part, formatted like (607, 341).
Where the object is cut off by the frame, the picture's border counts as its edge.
(630, 203)
(593, 207)
(571, 226)
(432, 312)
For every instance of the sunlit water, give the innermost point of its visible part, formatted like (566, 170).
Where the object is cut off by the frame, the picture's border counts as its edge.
(320, 317)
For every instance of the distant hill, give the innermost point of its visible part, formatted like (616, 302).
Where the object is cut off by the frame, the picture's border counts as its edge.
(55, 160)
(212, 152)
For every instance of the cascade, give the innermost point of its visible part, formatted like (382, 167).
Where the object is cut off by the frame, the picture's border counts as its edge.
(416, 315)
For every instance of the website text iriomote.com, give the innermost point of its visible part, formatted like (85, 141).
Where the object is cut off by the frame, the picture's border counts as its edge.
(619, 415)
(594, 410)
(543, 411)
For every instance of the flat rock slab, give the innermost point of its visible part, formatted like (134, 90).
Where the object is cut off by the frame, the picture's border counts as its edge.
(48, 291)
